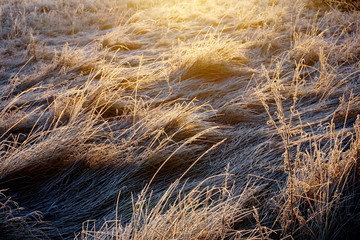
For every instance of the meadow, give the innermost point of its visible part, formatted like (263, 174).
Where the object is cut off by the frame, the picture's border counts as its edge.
(186, 120)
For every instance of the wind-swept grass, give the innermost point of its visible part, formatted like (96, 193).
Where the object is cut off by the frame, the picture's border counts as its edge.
(196, 119)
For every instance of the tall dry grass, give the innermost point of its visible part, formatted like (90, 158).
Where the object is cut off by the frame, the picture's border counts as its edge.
(196, 119)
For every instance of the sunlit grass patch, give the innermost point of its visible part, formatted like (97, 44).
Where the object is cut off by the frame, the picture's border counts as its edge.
(212, 59)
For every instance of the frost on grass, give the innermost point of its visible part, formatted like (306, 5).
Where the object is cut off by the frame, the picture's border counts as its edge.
(201, 119)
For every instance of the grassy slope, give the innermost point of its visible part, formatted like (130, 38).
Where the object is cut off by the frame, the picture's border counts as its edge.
(242, 116)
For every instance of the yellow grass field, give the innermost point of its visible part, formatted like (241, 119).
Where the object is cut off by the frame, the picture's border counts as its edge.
(179, 119)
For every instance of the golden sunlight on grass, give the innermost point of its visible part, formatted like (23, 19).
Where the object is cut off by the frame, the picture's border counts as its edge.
(167, 119)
